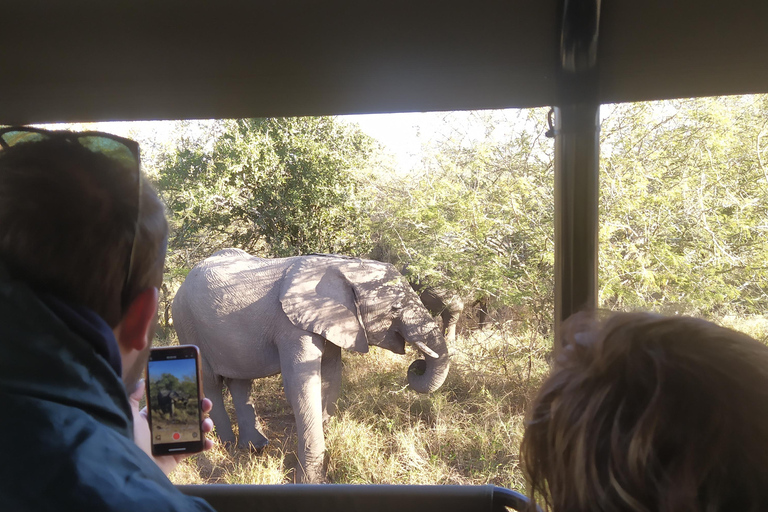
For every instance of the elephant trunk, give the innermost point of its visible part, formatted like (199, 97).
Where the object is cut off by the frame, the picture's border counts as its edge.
(427, 375)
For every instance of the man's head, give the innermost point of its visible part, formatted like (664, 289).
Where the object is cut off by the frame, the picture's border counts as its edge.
(68, 216)
(644, 412)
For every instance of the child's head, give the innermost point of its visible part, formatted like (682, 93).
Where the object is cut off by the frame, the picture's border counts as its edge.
(650, 413)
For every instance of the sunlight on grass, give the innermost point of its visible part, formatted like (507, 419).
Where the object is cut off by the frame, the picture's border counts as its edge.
(239, 467)
(752, 325)
(467, 432)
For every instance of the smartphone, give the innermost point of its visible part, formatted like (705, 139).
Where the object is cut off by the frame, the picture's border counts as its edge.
(174, 396)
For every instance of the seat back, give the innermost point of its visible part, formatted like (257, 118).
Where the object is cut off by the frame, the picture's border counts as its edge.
(357, 498)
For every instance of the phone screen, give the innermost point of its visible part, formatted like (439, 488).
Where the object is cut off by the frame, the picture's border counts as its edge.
(173, 400)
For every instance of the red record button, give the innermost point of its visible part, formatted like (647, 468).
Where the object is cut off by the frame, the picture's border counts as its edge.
(176, 436)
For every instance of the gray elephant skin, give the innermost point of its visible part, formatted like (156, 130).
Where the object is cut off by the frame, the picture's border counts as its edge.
(440, 302)
(254, 317)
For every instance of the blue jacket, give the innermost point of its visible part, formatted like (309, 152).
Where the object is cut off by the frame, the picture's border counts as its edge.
(65, 423)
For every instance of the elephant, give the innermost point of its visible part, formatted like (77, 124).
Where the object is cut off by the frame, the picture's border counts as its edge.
(440, 302)
(255, 317)
(167, 400)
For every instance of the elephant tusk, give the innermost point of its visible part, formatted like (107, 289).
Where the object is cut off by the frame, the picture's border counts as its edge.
(424, 348)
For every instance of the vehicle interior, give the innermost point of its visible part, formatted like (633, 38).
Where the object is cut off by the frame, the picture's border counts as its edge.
(80, 61)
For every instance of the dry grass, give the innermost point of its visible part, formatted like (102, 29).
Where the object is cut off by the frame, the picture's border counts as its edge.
(468, 432)
(753, 325)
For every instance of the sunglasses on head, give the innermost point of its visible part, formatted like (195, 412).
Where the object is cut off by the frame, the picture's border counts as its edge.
(122, 150)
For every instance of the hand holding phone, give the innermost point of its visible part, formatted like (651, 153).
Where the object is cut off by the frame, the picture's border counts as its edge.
(174, 395)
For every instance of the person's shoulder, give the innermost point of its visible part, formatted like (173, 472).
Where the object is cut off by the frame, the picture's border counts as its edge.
(64, 459)
(90, 497)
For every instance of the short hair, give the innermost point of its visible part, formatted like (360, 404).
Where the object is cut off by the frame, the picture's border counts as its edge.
(650, 413)
(67, 221)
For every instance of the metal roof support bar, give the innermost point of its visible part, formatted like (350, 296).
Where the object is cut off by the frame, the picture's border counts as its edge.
(577, 152)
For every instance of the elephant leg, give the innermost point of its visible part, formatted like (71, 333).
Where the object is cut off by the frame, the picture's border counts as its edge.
(300, 365)
(246, 416)
(330, 373)
(213, 386)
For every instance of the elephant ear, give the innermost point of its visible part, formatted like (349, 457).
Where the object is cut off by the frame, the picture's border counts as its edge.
(318, 298)
(376, 282)
(383, 294)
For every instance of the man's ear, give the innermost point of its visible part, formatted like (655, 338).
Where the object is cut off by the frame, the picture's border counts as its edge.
(135, 328)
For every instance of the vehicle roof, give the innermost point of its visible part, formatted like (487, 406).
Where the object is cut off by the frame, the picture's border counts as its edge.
(82, 60)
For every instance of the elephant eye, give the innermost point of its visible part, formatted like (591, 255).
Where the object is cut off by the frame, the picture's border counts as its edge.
(397, 306)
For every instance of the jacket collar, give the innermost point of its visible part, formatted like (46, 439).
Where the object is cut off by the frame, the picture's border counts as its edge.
(89, 326)
(54, 353)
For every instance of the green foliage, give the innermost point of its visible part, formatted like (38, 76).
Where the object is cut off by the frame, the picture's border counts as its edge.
(276, 186)
(684, 200)
(478, 217)
(167, 381)
(683, 208)
(683, 203)
(188, 387)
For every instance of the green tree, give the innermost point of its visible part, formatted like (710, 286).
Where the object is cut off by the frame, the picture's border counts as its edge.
(166, 381)
(478, 217)
(188, 387)
(276, 186)
(684, 205)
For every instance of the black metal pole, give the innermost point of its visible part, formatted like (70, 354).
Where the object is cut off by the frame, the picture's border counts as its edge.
(576, 204)
(577, 151)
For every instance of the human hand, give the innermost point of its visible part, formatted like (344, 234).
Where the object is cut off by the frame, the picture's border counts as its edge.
(143, 437)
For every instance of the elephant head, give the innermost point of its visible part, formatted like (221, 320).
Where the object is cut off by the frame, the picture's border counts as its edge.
(354, 303)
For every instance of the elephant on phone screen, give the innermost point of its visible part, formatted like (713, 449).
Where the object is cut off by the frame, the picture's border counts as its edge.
(168, 401)
(253, 317)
